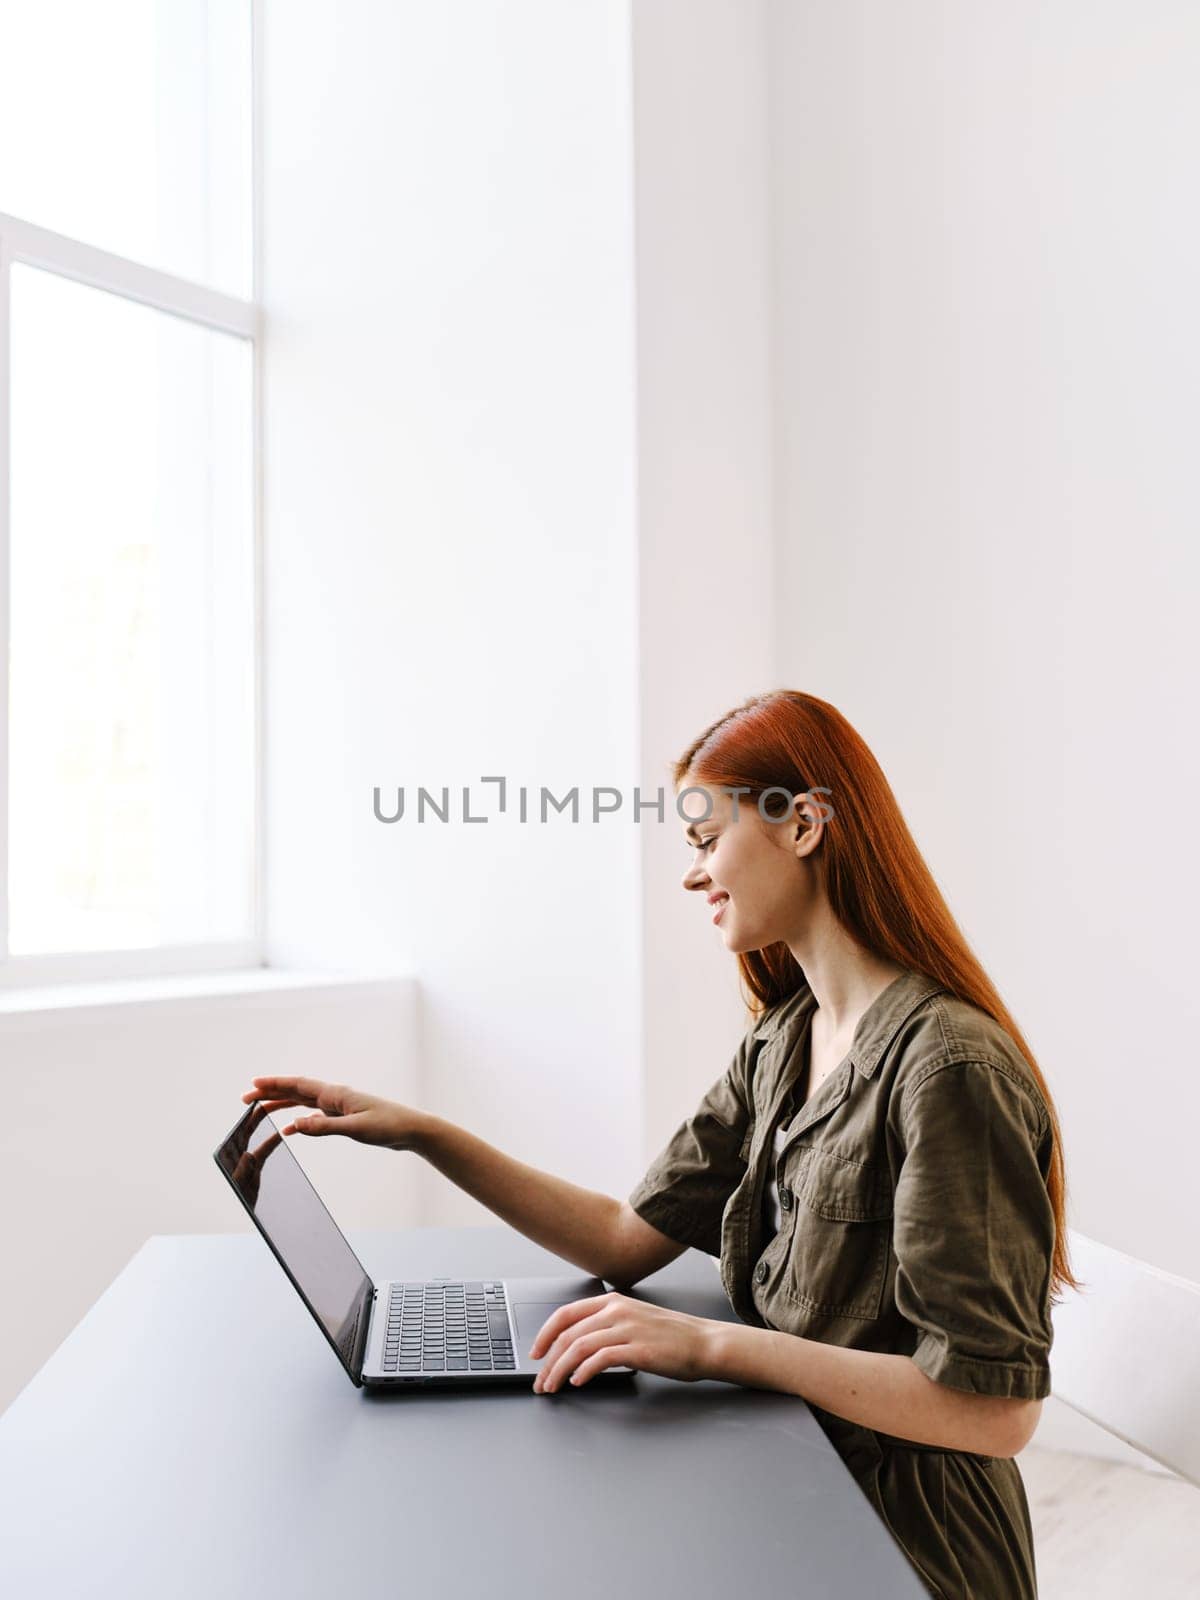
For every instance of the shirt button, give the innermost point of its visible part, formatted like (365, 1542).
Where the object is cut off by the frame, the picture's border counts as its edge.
(785, 1199)
(760, 1272)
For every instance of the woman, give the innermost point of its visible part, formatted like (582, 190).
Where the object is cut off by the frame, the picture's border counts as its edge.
(879, 1169)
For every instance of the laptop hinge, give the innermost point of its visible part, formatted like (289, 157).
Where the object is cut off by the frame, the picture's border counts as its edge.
(364, 1322)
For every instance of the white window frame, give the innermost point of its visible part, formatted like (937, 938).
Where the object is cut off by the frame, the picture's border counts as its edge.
(24, 242)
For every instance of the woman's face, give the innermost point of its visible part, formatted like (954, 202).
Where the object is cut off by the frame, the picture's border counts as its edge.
(759, 880)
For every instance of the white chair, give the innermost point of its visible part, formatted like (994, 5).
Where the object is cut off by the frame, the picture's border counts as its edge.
(1114, 1520)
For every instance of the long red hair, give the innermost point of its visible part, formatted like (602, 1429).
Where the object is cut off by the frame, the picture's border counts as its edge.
(876, 879)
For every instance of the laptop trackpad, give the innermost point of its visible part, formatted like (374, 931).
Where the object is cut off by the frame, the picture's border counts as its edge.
(531, 1314)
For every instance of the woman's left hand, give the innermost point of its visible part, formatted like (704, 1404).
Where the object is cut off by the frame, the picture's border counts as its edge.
(613, 1330)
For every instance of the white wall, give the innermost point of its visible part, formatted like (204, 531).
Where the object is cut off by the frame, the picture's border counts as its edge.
(701, 182)
(986, 408)
(451, 545)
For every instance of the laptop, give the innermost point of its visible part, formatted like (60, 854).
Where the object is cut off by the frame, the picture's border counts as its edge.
(450, 1332)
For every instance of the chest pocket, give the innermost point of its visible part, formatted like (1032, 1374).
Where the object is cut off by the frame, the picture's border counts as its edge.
(841, 1230)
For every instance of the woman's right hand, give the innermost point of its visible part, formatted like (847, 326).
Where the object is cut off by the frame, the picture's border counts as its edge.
(340, 1109)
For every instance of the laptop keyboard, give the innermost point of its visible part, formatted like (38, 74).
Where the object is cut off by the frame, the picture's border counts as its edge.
(448, 1327)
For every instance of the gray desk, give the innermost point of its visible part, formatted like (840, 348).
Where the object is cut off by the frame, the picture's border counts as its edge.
(196, 1436)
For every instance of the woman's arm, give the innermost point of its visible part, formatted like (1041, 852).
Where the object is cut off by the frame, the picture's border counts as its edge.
(596, 1232)
(886, 1392)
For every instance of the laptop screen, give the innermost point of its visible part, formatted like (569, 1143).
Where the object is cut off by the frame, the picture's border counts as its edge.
(309, 1245)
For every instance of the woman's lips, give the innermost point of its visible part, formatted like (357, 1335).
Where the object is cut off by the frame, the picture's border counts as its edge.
(720, 909)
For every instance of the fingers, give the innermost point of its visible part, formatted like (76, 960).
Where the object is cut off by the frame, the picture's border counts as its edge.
(264, 1106)
(585, 1355)
(296, 1091)
(338, 1109)
(612, 1355)
(319, 1124)
(564, 1317)
(578, 1337)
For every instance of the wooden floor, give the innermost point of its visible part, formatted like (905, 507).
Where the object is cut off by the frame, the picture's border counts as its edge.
(1107, 1531)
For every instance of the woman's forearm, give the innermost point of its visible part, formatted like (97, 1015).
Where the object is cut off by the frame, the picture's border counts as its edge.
(578, 1224)
(886, 1392)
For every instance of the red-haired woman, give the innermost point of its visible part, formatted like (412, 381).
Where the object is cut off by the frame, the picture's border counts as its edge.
(879, 1169)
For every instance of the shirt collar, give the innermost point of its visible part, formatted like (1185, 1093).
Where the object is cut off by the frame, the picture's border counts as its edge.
(877, 1027)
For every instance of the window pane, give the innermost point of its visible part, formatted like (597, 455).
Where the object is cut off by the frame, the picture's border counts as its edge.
(131, 693)
(127, 125)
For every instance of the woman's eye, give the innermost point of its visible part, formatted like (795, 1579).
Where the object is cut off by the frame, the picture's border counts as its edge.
(704, 843)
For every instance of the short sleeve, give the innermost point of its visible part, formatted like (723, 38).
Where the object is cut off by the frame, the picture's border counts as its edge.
(974, 1230)
(686, 1188)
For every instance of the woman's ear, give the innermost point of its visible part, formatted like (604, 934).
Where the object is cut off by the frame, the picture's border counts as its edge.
(809, 825)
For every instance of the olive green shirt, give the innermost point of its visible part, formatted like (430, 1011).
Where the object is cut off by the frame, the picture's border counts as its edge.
(915, 1220)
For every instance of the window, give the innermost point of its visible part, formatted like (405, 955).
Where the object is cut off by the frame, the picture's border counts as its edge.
(129, 666)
